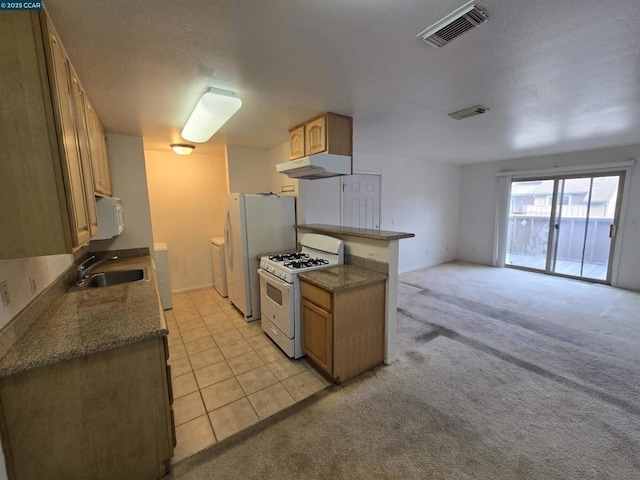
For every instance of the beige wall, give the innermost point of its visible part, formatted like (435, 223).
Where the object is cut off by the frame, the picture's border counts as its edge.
(253, 170)
(187, 196)
(129, 181)
(278, 181)
(16, 272)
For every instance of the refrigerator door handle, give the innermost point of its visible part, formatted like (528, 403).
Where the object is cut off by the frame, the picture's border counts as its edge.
(227, 240)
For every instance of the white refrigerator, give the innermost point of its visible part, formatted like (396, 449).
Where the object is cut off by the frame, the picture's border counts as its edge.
(254, 225)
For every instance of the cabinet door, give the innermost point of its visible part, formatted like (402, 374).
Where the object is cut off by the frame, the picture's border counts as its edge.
(85, 151)
(316, 136)
(74, 183)
(296, 143)
(104, 159)
(99, 159)
(317, 335)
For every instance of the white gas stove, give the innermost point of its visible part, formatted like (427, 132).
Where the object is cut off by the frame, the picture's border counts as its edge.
(280, 287)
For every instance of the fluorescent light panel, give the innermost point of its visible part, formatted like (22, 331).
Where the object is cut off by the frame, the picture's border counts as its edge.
(213, 110)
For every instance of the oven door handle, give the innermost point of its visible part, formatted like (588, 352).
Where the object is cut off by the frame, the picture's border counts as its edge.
(270, 278)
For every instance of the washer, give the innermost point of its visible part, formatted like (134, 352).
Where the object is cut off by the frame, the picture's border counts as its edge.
(217, 263)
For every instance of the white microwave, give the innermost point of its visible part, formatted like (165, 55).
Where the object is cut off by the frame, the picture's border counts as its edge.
(111, 217)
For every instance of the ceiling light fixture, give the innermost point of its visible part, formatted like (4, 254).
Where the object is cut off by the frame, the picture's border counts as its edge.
(182, 148)
(212, 111)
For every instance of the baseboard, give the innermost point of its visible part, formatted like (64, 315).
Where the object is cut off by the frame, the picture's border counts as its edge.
(190, 289)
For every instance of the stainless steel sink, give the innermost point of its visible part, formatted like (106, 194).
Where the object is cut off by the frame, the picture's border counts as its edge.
(116, 277)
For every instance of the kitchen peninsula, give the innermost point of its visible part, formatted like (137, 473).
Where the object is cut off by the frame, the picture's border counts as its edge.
(375, 250)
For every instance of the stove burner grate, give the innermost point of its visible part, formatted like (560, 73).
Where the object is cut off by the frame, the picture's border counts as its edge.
(288, 257)
(306, 263)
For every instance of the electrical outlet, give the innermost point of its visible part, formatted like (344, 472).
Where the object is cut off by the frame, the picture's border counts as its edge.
(34, 286)
(4, 293)
(372, 255)
(634, 222)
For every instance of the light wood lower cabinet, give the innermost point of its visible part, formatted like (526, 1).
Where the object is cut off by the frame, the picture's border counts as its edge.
(103, 416)
(343, 331)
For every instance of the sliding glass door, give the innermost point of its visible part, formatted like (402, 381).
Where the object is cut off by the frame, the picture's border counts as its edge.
(529, 219)
(564, 225)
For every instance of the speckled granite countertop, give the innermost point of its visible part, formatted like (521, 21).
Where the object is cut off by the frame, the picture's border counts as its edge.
(356, 232)
(91, 320)
(341, 277)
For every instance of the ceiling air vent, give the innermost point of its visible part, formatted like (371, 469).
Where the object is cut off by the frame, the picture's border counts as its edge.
(468, 112)
(461, 20)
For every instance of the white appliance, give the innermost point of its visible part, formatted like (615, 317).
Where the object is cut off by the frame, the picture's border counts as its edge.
(111, 217)
(255, 225)
(320, 165)
(280, 288)
(217, 263)
(161, 262)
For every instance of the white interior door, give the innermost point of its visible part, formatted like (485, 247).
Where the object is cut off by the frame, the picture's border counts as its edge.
(361, 201)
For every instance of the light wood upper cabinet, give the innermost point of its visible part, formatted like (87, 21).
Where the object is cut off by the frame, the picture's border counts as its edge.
(47, 204)
(68, 136)
(316, 136)
(84, 149)
(328, 133)
(296, 143)
(99, 158)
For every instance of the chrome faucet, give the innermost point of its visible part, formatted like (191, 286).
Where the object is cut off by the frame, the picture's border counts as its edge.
(83, 270)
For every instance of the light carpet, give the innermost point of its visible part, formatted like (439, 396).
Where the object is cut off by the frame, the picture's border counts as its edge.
(500, 376)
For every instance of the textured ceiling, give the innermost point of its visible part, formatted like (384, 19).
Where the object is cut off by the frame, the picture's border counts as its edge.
(557, 75)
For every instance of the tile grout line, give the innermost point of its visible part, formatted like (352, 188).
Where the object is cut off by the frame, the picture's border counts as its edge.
(228, 314)
(206, 413)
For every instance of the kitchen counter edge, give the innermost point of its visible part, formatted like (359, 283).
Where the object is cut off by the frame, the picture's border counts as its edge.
(384, 235)
(342, 277)
(90, 321)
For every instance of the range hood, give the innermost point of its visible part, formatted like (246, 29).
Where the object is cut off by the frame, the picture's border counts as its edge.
(320, 165)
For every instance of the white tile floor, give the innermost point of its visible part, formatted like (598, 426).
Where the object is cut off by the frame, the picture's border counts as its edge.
(226, 373)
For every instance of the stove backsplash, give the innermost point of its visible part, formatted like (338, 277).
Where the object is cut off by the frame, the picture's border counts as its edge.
(375, 265)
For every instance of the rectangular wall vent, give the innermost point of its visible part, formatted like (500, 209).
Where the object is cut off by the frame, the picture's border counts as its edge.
(461, 20)
(468, 112)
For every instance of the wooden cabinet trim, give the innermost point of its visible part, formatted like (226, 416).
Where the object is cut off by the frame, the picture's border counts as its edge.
(320, 116)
